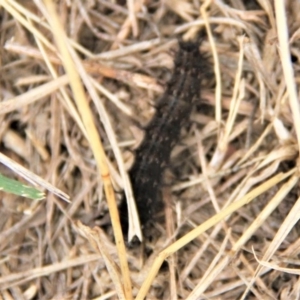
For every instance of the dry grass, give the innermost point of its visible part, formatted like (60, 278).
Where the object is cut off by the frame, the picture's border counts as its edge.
(73, 84)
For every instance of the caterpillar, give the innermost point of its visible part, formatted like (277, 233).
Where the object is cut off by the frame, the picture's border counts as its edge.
(163, 131)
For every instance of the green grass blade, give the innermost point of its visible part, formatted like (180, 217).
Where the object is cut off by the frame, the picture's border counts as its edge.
(15, 187)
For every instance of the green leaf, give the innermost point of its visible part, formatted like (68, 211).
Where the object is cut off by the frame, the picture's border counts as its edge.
(18, 188)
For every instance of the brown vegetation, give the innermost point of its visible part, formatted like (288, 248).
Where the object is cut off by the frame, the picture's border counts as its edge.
(76, 76)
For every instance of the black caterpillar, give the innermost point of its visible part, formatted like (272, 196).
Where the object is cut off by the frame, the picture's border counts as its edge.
(162, 133)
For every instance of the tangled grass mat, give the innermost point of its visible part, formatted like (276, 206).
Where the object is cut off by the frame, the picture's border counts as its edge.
(80, 80)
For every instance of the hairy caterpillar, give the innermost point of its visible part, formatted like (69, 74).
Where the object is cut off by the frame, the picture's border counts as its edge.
(163, 131)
